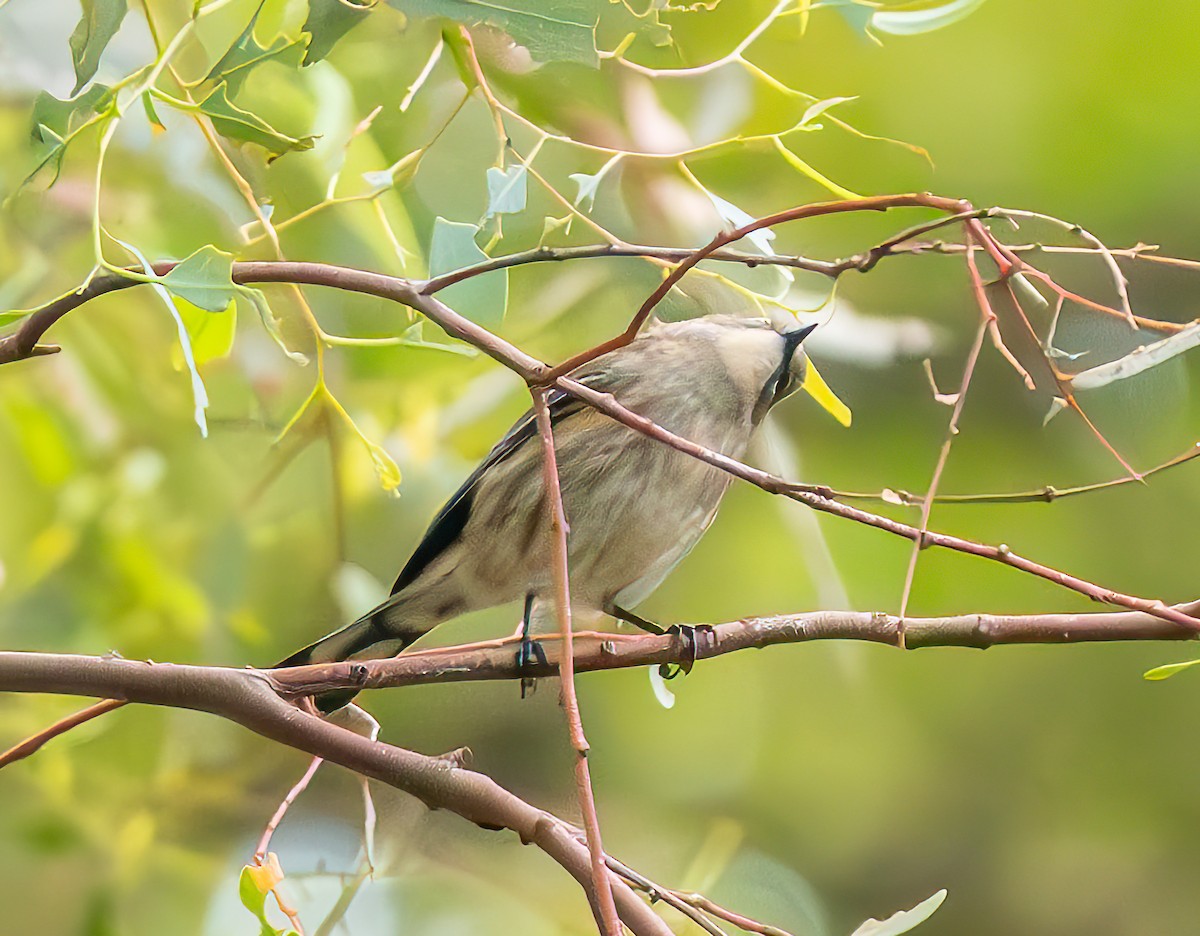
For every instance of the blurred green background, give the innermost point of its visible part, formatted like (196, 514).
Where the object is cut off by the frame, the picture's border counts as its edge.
(1049, 789)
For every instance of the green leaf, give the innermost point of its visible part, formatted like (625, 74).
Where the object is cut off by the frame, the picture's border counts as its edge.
(199, 393)
(1168, 670)
(255, 901)
(914, 18)
(236, 124)
(211, 333)
(482, 299)
(563, 31)
(328, 21)
(507, 190)
(205, 279)
(100, 21)
(151, 114)
(736, 217)
(54, 121)
(816, 110)
(904, 920)
(247, 53)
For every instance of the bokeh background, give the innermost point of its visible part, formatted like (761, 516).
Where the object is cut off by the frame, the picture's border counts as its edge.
(1048, 789)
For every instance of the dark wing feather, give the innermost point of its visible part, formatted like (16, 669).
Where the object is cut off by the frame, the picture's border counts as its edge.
(448, 525)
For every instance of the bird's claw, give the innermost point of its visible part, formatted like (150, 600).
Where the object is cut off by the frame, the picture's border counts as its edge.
(529, 655)
(691, 651)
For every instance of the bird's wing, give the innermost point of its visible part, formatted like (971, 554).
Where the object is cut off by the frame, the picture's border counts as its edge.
(448, 525)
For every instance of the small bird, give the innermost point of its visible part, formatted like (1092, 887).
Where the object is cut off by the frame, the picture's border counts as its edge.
(635, 507)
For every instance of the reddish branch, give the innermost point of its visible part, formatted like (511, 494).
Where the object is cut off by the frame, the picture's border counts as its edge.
(601, 893)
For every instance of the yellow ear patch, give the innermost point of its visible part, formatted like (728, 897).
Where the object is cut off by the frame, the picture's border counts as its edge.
(814, 385)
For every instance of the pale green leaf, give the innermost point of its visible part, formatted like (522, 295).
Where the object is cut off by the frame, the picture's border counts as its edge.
(100, 21)
(259, 300)
(204, 279)
(914, 18)
(482, 299)
(1139, 360)
(904, 920)
(802, 167)
(506, 190)
(589, 183)
(737, 218)
(816, 110)
(199, 392)
(1168, 670)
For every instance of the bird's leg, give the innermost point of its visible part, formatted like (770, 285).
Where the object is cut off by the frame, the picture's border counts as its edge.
(630, 618)
(685, 632)
(529, 652)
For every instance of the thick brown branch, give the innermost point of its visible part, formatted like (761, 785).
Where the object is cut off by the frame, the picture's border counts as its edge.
(248, 698)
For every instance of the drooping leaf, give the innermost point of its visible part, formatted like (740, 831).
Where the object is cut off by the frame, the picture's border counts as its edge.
(156, 123)
(737, 218)
(816, 110)
(802, 167)
(903, 920)
(563, 31)
(259, 300)
(100, 21)
(205, 279)
(236, 124)
(911, 19)
(506, 190)
(54, 120)
(482, 299)
(1139, 360)
(589, 183)
(211, 333)
(328, 21)
(199, 392)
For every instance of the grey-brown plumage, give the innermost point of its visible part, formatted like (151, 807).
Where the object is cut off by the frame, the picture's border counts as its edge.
(635, 506)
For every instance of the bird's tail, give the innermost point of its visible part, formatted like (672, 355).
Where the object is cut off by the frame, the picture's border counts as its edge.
(365, 639)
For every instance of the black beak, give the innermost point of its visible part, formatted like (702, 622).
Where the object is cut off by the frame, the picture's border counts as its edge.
(792, 340)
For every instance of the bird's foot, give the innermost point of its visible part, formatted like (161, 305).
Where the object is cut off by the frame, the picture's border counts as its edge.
(687, 635)
(530, 657)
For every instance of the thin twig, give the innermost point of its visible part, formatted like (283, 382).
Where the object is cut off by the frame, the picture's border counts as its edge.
(657, 892)
(34, 742)
(264, 842)
(987, 317)
(604, 908)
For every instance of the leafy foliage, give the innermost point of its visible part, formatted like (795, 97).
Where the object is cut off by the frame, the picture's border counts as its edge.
(601, 122)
